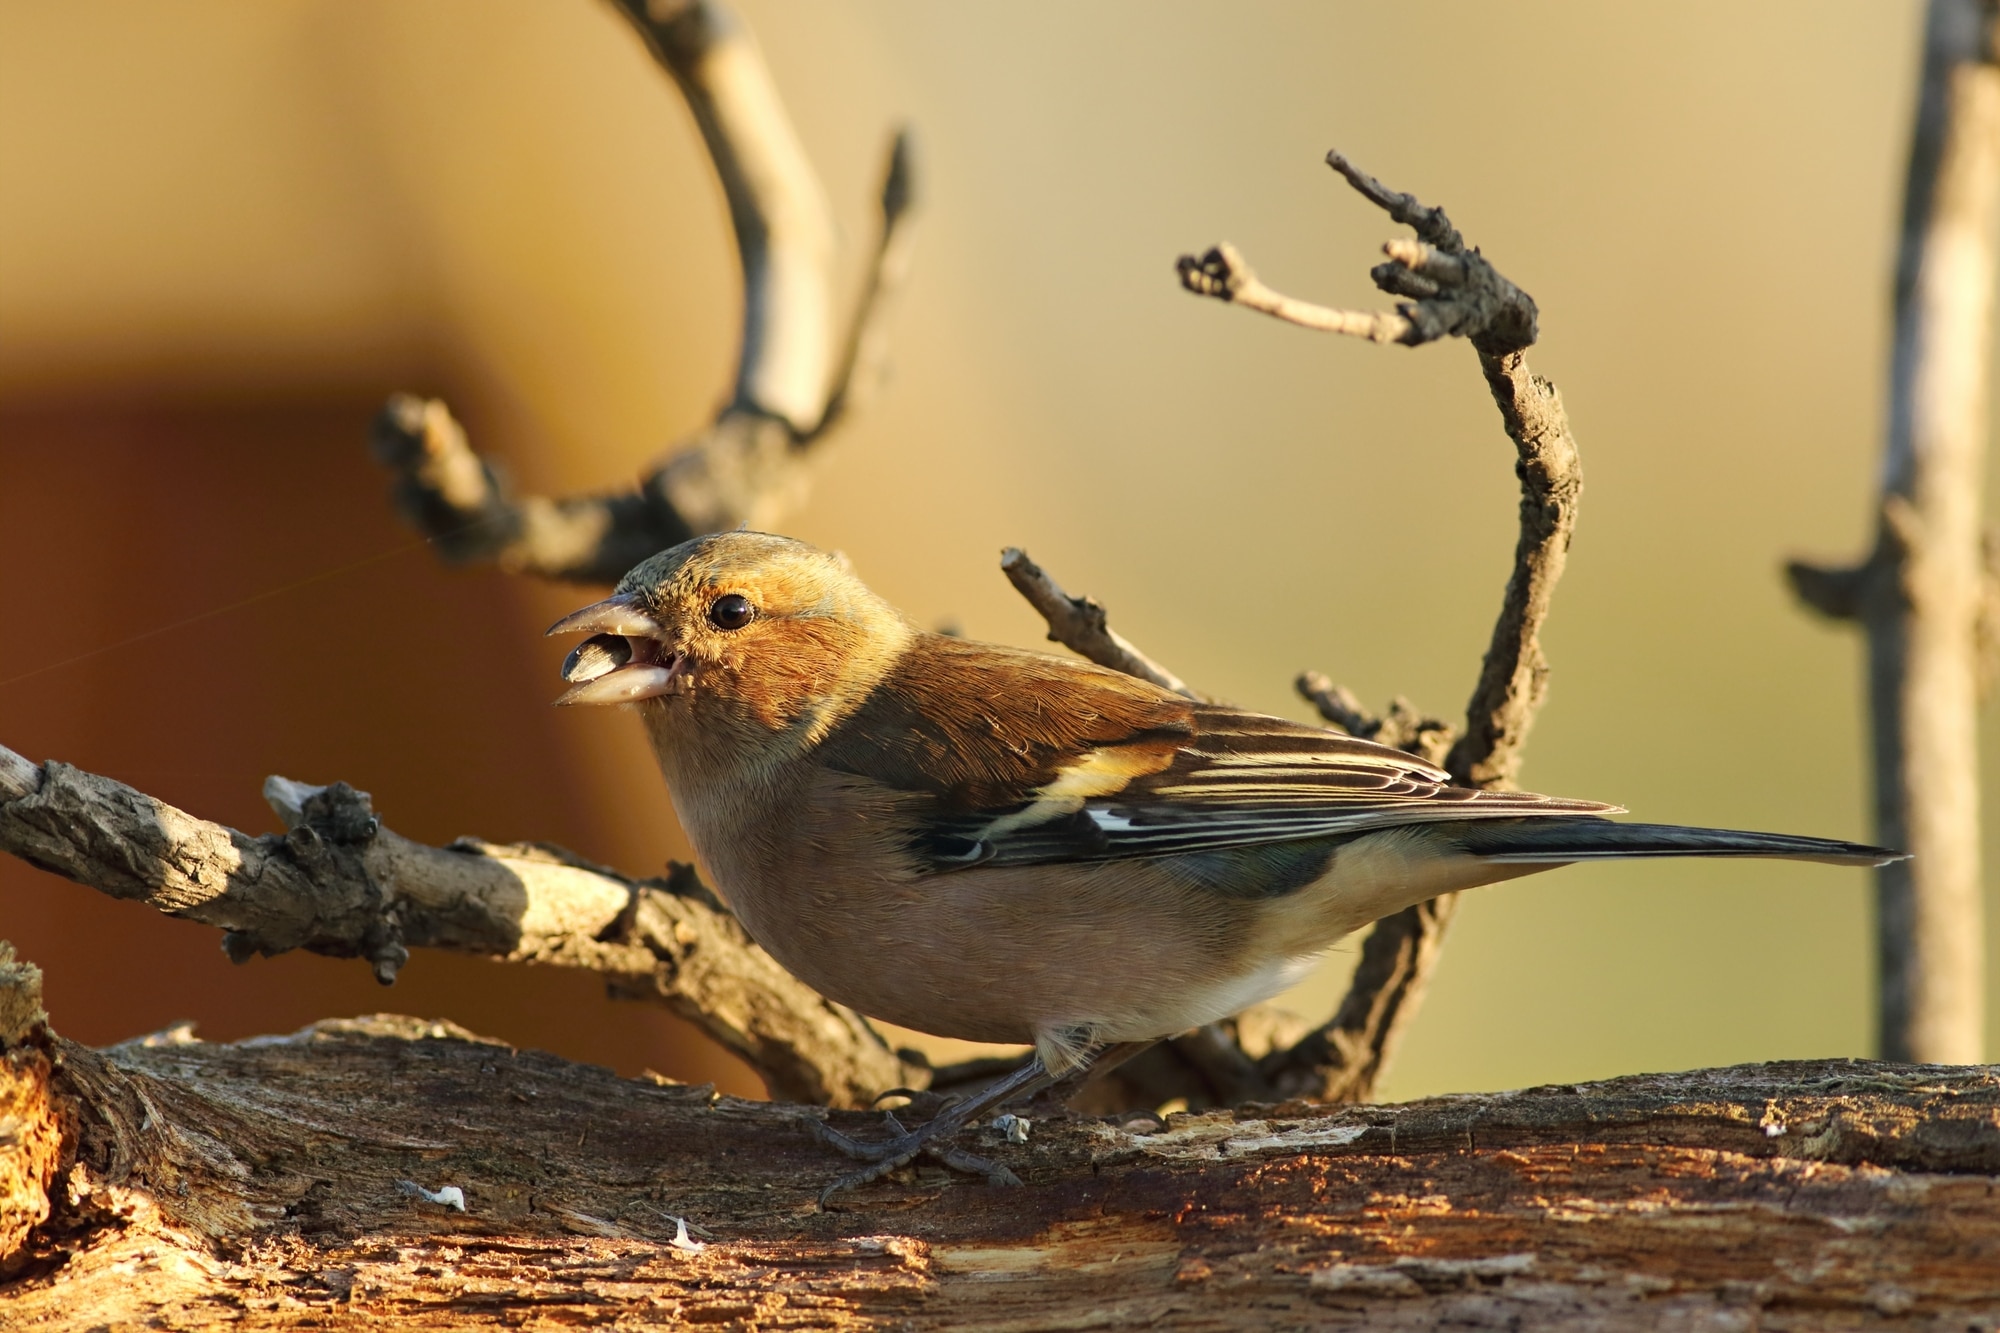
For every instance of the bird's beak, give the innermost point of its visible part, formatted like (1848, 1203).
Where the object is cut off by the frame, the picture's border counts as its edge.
(625, 659)
(613, 615)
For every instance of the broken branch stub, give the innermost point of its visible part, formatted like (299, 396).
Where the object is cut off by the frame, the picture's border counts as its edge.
(1081, 625)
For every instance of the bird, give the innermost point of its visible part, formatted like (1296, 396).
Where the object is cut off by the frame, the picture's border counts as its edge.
(1003, 845)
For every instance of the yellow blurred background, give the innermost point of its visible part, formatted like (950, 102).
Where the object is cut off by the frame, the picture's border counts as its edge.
(228, 228)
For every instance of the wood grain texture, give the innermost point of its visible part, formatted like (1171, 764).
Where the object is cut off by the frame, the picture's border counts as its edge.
(261, 1183)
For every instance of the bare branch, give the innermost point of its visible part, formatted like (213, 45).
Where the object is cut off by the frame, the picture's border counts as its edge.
(1430, 224)
(1832, 590)
(783, 225)
(1080, 624)
(1337, 705)
(746, 465)
(1452, 291)
(1513, 679)
(1223, 273)
(1923, 593)
(864, 361)
(339, 883)
(1455, 292)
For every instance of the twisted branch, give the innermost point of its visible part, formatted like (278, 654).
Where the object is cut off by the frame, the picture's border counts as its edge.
(745, 465)
(1451, 291)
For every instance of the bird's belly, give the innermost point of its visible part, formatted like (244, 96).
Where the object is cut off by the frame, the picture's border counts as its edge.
(1200, 1005)
(1006, 954)
(1125, 950)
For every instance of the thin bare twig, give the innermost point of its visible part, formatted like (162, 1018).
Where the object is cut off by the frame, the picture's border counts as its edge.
(864, 359)
(745, 465)
(1452, 291)
(1080, 624)
(1224, 273)
(1925, 594)
(338, 882)
(1403, 725)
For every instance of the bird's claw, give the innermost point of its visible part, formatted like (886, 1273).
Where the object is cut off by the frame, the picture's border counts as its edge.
(932, 1141)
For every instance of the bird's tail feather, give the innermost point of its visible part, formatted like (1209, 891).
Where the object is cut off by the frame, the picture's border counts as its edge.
(1561, 841)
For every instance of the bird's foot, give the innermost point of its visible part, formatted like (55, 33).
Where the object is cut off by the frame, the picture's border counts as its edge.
(932, 1140)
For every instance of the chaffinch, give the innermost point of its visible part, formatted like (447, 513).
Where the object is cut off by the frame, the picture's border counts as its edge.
(990, 843)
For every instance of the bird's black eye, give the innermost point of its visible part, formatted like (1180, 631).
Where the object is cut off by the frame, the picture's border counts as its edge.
(731, 612)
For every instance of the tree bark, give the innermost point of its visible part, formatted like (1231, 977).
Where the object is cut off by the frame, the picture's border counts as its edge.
(383, 1169)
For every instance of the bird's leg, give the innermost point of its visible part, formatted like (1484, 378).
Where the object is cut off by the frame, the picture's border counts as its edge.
(933, 1139)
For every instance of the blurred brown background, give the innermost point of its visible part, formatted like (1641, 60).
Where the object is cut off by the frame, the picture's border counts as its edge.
(227, 230)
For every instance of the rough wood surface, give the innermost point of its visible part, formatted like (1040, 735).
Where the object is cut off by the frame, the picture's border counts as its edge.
(286, 1183)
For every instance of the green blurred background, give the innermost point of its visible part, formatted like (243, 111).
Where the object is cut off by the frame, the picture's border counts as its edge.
(227, 230)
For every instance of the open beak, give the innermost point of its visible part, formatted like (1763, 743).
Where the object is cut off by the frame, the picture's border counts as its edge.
(623, 661)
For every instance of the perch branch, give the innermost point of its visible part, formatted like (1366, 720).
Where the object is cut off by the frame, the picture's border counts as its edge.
(1924, 595)
(303, 1182)
(338, 882)
(1452, 291)
(746, 466)
(1081, 625)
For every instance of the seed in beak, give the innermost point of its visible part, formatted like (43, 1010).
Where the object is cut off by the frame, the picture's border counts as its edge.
(598, 655)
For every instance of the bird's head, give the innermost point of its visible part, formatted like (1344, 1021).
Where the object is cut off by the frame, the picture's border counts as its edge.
(740, 627)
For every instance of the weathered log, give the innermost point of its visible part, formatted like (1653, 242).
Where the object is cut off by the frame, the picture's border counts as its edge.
(314, 1181)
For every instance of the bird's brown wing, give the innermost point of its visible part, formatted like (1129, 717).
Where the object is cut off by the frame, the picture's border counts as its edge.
(978, 727)
(1021, 758)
